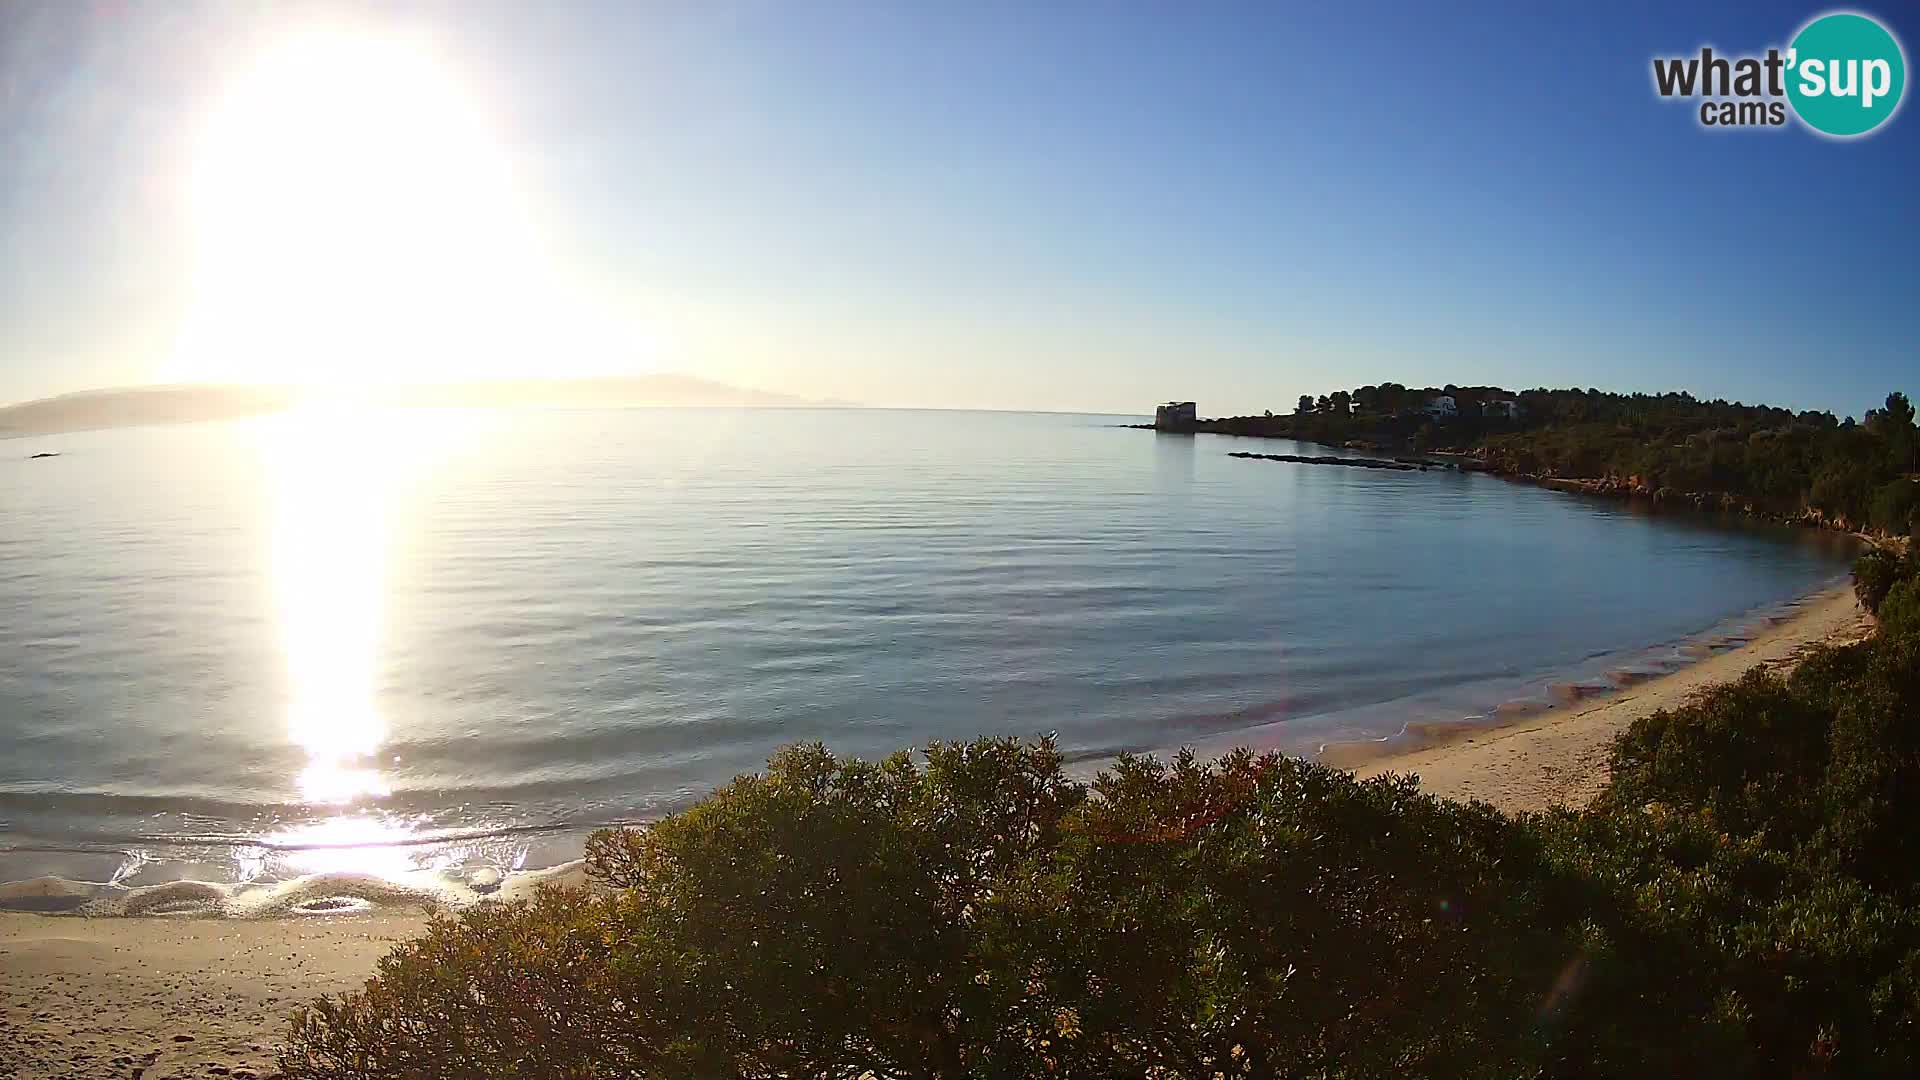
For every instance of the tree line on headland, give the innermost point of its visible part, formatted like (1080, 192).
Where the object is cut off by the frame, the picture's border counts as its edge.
(1806, 466)
(1742, 900)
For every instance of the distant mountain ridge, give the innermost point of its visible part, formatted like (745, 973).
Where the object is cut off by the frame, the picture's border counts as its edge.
(134, 406)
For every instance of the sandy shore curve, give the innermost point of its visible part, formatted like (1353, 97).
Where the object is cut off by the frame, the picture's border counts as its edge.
(1559, 757)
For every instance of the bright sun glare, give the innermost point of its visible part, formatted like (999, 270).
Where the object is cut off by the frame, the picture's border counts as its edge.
(355, 223)
(331, 535)
(330, 541)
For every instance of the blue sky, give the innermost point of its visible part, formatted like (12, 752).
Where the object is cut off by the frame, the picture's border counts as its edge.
(1059, 206)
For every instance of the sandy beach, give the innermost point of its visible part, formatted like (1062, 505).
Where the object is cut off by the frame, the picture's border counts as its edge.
(160, 997)
(1559, 757)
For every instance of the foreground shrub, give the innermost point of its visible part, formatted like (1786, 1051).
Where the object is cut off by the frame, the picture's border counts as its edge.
(1825, 765)
(1265, 917)
(524, 989)
(846, 915)
(1900, 611)
(1748, 961)
(1747, 754)
(1800, 883)
(1875, 574)
(980, 914)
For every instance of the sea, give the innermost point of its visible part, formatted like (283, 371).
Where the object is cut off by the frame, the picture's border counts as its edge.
(334, 651)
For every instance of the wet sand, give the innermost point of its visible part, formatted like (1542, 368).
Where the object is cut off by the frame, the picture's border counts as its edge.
(1558, 757)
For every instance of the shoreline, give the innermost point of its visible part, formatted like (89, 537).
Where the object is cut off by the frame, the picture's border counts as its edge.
(1558, 756)
(155, 993)
(1598, 487)
(1423, 744)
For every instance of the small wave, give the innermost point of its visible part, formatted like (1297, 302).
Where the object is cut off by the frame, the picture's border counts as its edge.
(332, 905)
(1624, 677)
(1567, 693)
(45, 894)
(117, 843)
(77, 803)
(312, 896)
(173, 898)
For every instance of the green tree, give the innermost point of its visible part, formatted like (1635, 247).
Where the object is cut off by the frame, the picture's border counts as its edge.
(1900, 431)
(1895, 505)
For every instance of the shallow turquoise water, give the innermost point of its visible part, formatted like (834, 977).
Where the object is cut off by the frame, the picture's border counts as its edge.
(250, 650)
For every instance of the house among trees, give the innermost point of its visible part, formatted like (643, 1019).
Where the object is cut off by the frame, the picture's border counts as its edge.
(1505, 408)
(1442, 407)
(1175, 414)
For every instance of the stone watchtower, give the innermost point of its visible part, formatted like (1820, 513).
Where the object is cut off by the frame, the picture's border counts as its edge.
(1175, 414)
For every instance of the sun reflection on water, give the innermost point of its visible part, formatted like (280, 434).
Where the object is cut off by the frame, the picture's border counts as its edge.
(368, 843)
(336, 471)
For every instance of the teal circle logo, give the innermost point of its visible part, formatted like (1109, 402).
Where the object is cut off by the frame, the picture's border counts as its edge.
(1845, 74)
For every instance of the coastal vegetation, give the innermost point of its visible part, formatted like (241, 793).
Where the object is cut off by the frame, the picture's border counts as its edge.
(1808, 466)
(1743, 899)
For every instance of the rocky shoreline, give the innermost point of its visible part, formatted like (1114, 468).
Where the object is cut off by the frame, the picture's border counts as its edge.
(1612, 487)
(1397, 464)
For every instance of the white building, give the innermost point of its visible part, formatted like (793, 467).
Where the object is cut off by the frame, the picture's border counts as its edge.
(1442, 406)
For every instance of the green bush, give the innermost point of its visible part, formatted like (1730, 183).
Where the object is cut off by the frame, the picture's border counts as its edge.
(1872, 786)
(979, 914)
(1743, 960)
(1824, 765)
(1802, 877)
(1895, 504)
(827, 916)
(1268, 917)
(1900, 611)
(563, 985)
(1875, 573)
(1744, 754)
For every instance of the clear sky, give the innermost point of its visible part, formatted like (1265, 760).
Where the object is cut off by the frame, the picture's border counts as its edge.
(980, 204)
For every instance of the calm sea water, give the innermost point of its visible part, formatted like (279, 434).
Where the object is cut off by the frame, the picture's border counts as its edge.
(333, 642)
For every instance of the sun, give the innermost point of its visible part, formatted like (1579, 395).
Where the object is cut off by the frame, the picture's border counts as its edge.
(354, 222)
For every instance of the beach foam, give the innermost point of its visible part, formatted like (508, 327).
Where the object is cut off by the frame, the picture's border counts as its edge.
(337, 893)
